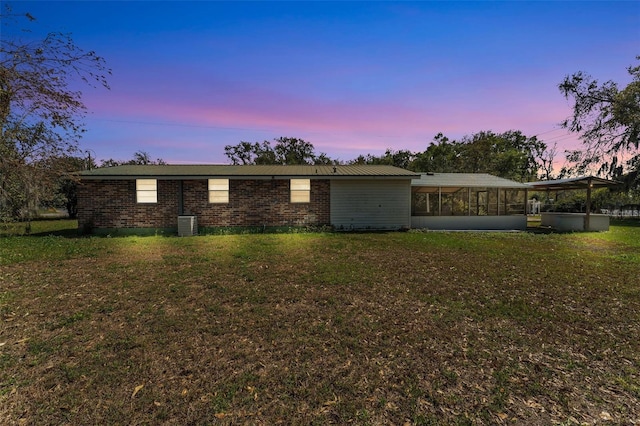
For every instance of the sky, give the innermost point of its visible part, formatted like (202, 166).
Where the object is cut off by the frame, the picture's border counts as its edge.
(352, 78)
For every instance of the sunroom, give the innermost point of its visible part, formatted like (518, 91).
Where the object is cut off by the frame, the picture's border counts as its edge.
(467, 201)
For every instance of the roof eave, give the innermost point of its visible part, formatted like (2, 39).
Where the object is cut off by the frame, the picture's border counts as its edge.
(244, 177)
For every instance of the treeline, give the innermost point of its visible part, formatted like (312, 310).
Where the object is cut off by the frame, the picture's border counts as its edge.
(139, 158)
(510, 155)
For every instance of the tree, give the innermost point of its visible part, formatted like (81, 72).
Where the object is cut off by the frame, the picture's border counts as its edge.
(285, 151)
(402, 158)
(140, 158)
(510, 155)
(607, 120)
(250, 153)
(441, 156)
(66, 192)
(294, 151)
(40, 115)
(324, 160)
(546, 158)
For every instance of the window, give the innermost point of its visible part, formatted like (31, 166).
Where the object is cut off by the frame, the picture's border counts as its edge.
(219, 191)
(300, 190)
(146, 190)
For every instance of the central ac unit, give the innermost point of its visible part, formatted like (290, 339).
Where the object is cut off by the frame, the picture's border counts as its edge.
(187, 226)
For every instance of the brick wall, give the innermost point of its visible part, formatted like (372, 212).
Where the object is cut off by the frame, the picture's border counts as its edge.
(112, 204)
(257, 203)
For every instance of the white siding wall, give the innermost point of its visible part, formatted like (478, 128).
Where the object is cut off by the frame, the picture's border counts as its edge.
(371, 204)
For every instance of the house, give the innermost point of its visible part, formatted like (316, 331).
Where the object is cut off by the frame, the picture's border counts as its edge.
(155, 197)
(468, 201)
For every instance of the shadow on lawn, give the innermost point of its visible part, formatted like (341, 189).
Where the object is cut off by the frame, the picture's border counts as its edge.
(66, 233)
(43, 227)
(67, 228)
(630, 222)
(621, 223)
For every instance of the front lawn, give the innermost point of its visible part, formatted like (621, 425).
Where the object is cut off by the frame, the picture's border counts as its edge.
(321, 328)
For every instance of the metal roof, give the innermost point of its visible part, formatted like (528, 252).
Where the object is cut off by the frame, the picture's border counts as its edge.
(260, 171)
(582, 182)
(465, 180)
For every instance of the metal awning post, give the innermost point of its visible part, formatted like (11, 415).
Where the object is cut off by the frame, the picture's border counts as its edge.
(587, 217)
(506, 203)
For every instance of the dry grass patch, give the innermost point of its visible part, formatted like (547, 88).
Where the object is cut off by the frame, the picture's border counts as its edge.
(424, 328)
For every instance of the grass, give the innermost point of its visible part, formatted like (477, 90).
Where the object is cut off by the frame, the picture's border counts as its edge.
(66, 227)
(321, 328)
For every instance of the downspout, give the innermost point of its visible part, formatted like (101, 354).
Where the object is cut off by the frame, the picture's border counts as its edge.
(587, 218)
(180, 198)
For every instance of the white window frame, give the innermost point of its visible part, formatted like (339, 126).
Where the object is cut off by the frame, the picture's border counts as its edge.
(300, 190)
(218, 191)
(146, 191)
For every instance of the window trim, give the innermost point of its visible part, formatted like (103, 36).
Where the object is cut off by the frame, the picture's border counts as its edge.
(147, 188)
(300, 191)
(220, 188)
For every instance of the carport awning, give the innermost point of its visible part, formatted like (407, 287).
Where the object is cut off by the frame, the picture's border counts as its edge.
(583, 182)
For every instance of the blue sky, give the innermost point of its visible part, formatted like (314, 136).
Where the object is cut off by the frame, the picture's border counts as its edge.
(350, 77)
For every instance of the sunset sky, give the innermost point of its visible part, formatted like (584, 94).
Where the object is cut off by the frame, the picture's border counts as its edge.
(350, 77)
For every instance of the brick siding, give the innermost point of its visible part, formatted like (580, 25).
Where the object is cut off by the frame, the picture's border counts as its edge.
(112, 204)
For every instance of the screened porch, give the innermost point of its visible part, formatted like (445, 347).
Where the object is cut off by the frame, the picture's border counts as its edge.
(467, 201)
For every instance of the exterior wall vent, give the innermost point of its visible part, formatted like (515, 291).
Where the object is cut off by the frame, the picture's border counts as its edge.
(187, 226)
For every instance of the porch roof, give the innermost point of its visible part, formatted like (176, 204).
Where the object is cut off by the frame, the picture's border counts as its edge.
(465, 180)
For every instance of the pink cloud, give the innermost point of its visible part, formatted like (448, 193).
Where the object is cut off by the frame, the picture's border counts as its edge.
(339, 124)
